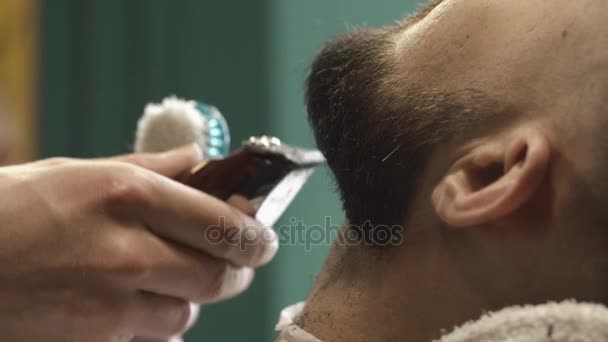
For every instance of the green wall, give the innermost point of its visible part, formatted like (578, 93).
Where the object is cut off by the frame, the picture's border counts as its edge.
(102, 60)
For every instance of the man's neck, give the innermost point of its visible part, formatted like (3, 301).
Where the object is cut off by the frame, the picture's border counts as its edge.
(359, 297)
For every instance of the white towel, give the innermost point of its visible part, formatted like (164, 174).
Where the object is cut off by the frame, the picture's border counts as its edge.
(553, 322)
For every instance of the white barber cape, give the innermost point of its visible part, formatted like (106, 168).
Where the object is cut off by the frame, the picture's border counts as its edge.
(553, 322)
(289, 331)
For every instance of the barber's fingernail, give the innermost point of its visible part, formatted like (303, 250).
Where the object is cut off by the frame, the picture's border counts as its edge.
(195, 150)
(198, 151)
(243, 279)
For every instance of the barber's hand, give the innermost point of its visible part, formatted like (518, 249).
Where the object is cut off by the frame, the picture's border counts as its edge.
(109, 250)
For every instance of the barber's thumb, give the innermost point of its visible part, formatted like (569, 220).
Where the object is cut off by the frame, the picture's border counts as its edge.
(171, 164)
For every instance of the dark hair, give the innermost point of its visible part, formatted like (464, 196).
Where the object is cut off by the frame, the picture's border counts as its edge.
(345, 110)
(377, 131)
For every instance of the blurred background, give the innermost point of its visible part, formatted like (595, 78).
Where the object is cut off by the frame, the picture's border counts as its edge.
(76, 74)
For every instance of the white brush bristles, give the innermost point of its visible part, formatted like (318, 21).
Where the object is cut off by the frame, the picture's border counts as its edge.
(170, 124)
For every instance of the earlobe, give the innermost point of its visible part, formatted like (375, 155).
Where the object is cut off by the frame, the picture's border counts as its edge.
(493, 180)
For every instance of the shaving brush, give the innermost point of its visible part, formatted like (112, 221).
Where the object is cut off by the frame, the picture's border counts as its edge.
(176, 122)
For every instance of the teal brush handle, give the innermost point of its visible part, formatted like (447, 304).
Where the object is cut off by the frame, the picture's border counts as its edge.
(218, 134)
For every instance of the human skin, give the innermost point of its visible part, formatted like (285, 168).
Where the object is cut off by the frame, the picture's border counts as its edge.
(476, 240)
(114, 249)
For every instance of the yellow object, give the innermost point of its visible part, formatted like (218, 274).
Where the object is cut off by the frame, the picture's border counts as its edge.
(18, 72)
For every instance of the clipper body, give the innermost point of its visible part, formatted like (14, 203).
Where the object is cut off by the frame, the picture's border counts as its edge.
(265, 171)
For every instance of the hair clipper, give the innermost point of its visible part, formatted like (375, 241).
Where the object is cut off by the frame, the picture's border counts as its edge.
(266, 171)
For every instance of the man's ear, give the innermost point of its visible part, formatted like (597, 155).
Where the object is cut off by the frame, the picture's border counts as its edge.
(494, 179)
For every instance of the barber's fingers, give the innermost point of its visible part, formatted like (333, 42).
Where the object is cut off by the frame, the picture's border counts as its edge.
(171, 164)
(242, 204)
(194, 312)
(154, 316)
(197, 220)
(158, 266)
(193, 317)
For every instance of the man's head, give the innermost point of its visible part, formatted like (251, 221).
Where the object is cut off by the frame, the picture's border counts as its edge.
(479, 126)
